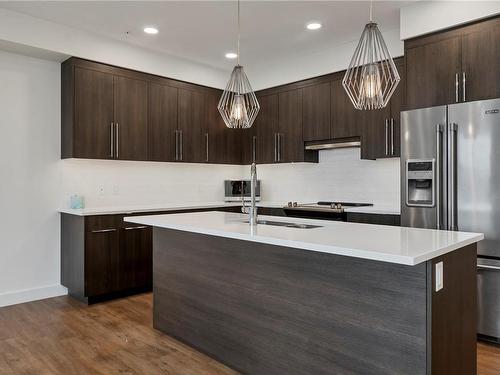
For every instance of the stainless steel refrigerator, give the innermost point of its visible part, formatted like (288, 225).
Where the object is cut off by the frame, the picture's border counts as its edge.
(450, 179)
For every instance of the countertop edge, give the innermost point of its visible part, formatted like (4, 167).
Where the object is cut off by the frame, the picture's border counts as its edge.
(326, 249)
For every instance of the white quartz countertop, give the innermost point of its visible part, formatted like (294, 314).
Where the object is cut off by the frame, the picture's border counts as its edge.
(145, 208)
(114, 210)
(409, 246)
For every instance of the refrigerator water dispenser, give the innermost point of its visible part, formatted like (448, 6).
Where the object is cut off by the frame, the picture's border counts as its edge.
(420, 187)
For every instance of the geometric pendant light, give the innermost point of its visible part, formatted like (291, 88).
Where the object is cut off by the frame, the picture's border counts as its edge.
(238, 104)
(372, 76)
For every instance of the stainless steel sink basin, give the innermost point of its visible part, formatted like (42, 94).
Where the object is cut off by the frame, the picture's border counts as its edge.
(288, 225)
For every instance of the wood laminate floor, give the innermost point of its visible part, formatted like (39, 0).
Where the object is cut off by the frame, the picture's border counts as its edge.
(63, 336)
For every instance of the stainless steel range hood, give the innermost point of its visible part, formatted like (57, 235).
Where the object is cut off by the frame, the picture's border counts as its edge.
(330, 144)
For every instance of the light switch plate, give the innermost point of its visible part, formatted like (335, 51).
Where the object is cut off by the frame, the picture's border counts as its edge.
(439, 276)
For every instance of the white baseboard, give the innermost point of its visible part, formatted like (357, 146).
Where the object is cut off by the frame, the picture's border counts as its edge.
(28, 295)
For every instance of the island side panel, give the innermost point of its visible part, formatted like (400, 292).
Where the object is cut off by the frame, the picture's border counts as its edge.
(264, 309)
(453, 328)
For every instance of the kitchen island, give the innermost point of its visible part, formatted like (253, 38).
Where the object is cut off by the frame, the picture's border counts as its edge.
(314, 297)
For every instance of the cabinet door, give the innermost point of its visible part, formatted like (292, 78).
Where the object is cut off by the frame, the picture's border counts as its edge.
(102, 261)
(347, 121)
(316, 112)
(249, 144)
(193, 124)
(431, 70)
(136, 256)
(290, 140)
(266, 126)
(481, 61)
(381, 131)
(376, 137)
(162, 123)
(93, 111)
(397, 104)
(222, 144)
(131, 118)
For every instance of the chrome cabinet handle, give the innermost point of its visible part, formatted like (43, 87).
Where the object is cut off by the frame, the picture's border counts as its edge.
(439, 132)
(452, 176)
(254, 148)
(117, 135)
(392, 136)
(386, 137)
(275, 147)
(176, 132)
(206, 146)
(456, 88)
(279, 146)
(134, 228)
(112, 138)
(463, 85)
(181, 145)
(104, 230)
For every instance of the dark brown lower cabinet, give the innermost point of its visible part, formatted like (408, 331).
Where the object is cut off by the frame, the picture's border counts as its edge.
(136, 266)
(381, 219)
(104, 257)
(102, 262)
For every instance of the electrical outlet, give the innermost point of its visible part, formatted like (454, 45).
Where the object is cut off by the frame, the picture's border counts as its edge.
(101, 190)
(439, 276)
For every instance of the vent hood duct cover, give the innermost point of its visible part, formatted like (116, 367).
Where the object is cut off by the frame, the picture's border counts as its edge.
(334, 143)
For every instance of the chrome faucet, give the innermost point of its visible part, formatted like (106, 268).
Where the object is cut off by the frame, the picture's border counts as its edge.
(252, 213)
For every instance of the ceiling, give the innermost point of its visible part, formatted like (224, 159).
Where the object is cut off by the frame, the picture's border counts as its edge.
(203, 31)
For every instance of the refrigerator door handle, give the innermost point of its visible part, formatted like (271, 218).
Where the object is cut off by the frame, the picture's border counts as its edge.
(439, 132)
(452, 180)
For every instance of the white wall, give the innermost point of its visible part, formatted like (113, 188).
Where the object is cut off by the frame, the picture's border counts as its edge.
(339, 175)
(333, 59)
(425, 17)
(106, 183)
(26, 30)
(29, 175)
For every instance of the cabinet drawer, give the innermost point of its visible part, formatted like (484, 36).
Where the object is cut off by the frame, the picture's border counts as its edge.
(380, 219)
(100, 223)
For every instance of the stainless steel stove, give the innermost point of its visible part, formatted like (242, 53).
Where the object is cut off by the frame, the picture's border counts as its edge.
(327, 210)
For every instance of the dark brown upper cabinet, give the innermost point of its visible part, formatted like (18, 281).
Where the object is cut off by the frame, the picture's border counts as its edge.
(316, 111)
(131, 118)
(290, 142)
(267, 128)
(481, 60)
(454, 66)
(87, 113)
(192, 126)
(223, 145)
(381, 130)
(104, 113)
(346, 121)
(162, 122)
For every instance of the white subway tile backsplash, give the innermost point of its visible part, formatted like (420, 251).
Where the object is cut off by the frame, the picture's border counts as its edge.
(339, 175)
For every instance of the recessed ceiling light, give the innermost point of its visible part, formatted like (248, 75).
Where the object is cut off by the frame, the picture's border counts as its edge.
(151, 30)
(231, 55)
(313, 26)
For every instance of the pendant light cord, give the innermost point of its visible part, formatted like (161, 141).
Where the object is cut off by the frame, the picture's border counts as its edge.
(238, 33)
(371, 10)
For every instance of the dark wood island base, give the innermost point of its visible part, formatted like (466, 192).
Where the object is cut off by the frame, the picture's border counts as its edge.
(265, 309)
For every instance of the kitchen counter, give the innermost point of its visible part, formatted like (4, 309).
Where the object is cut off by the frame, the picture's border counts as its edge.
(401, 245)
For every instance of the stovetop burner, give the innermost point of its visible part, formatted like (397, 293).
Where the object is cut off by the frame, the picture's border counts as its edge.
(336, 206)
